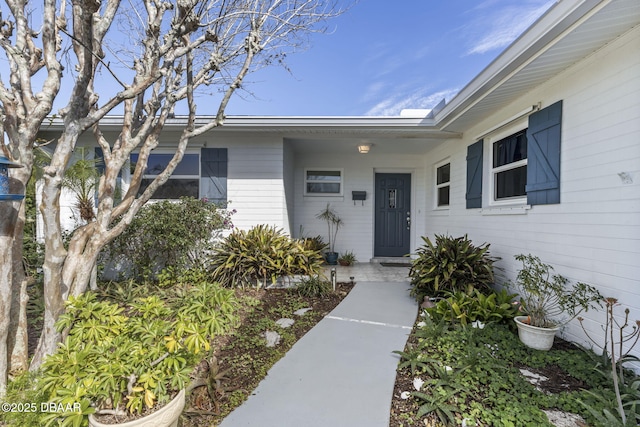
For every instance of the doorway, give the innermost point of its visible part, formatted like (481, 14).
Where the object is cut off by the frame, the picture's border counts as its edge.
(392, 214)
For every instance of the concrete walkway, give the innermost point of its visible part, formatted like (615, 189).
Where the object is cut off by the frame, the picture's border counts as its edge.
(342, 372)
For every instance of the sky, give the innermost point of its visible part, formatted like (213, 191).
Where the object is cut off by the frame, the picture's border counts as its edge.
(380, 57)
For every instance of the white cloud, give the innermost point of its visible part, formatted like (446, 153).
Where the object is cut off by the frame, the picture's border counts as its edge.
(501, 28)
(410, 98)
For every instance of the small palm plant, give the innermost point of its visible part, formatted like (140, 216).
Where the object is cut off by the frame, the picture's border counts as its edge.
(334, 222)
(82, 179)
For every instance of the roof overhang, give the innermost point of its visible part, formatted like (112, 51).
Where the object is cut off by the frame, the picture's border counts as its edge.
(567, 33)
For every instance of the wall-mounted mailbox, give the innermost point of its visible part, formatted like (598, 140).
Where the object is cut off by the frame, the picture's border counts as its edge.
(358, 195)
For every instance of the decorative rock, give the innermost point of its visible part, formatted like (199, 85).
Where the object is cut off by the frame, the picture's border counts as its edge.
(302, 311)
(273, 338)
(534, 378)
(564, 419)
(285, 322)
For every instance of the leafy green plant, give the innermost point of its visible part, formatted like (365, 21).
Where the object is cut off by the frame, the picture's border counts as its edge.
(313, 287)
(334, 222)
(260, 255)
(545, 296)
(436, 402)
(169, 234)
(464, 308)
(414, 359)
(450, 265)
(347, 258)
(132, 357)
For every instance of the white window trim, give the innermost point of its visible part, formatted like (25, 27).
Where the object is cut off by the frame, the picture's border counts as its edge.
(504, 133)
(437, 186)
(341, 193)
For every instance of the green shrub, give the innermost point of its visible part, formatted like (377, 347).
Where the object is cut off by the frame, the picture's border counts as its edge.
(463, 308)
(169, 234)
(450, 265)
(314, 287)
(259, 255)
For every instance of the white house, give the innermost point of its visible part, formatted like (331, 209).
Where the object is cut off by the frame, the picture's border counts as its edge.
(540, 154)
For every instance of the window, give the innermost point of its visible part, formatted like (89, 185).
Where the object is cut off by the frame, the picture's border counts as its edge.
(184, 182)
(323, 182)
(525, 167)
(443, 178)
(510, 167)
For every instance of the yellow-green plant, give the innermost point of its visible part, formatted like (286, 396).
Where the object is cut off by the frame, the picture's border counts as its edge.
(122, 359)
(261, 255)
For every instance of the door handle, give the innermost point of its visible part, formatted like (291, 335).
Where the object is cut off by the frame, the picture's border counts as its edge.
(408, 220)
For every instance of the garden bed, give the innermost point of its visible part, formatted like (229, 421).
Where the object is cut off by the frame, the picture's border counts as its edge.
(486, 377)
(242, 357)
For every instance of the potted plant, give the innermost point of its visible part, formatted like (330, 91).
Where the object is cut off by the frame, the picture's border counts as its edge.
(334, 222)
(347, 259)
(129, 365)
(548, 301)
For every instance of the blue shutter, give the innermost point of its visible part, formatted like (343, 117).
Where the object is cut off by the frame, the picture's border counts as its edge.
(543, 166)
(474, 175)
(213, 174)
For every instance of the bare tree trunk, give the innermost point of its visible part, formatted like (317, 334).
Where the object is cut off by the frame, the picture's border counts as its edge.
(55, 255)
(9, 213)
(18, 340)
(18, 337)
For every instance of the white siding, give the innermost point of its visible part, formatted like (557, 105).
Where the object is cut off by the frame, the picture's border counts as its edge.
(593, 235)
(255, 184)
(359, 171)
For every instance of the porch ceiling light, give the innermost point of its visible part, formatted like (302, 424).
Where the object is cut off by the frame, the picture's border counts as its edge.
(364, 148)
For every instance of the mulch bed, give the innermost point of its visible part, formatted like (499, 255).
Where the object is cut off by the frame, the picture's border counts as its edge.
(238, 382)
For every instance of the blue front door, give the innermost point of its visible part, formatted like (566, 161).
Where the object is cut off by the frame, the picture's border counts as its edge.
(393, 214)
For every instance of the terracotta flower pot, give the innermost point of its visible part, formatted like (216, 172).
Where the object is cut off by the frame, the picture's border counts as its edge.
(533, 336)
(167, 416)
